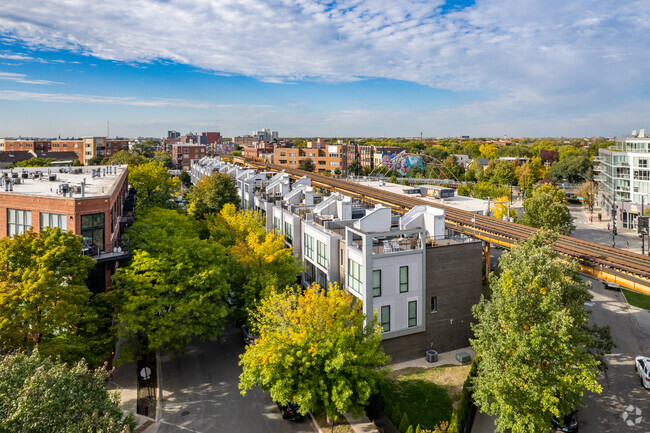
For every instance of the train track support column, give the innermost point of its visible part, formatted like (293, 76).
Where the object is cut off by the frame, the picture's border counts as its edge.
(486, 260)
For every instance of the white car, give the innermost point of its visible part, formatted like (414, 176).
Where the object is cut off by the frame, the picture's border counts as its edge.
(642, 366)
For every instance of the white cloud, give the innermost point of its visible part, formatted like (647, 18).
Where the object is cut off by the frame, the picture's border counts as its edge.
(13, 95)
(552, 56)
(22, 78)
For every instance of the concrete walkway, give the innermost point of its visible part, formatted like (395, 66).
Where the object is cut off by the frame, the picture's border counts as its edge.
(361, 424)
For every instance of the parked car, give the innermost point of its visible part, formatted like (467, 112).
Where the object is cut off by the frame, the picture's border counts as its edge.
(291, 412)
(569, 423)
(247, 336)
(642, 366)
(611, 286)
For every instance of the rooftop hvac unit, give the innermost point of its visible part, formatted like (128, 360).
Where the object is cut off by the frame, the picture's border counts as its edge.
(25, 175)
(77, 189)
(52, 176)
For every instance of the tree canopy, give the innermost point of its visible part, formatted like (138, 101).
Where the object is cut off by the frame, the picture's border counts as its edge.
(128, 158)
(211, 193)
(315, 350)
(573, 167)
(260, 258)
(44, 300)
(147, 148)
(154, 185)
(546, 209)
(175, 286)
(42, 395)
(538, 355)
(307, 164)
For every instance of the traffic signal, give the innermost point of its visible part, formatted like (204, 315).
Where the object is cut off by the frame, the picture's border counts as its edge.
(614, 232)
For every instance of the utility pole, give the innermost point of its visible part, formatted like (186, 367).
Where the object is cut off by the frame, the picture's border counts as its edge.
(642, 234)
(614, 232)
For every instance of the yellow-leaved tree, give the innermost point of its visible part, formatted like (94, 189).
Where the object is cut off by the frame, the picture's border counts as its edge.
(315, 349)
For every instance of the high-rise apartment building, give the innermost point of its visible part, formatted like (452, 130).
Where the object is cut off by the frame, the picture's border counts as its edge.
(623, 176)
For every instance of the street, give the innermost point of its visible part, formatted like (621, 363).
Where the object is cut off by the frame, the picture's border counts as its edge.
(200, 393)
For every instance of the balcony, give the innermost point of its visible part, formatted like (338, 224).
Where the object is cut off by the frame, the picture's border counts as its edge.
(391, 244)
(120, 250)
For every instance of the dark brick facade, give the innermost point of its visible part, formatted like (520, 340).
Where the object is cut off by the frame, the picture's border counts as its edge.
(454, 277)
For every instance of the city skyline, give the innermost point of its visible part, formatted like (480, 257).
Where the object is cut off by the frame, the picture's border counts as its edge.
(335, 69)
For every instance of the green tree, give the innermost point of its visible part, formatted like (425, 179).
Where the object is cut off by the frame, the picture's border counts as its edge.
(211, 194)
(154, 185)
(36, 162)
(547, 209)
(573, 168)
(354, 168)
(41, 395)
(260, 259)
(147, 148)
(538, 355)
(504, 173)
(175, 286)
(314, 349)
(588, 191)
(307, 165)
(165, 159)
(43, 294)
(128, 158)
(185, 178)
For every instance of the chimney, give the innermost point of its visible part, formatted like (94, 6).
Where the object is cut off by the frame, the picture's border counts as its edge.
(83, 188)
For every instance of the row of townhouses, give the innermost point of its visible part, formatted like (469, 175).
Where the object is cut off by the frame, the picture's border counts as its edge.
(419, 278)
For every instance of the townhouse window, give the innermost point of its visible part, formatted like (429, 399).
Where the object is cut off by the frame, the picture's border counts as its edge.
(54, 220)
(92, 229)
(321, 252)
(434, 304)
(385, 318)
(312, 155)
(376, 283)
(292, 154)
(321, 162)
(341, 256)
(643, 163)
(334, 163)
(355, 279)
(403, 279)
(276, 224)
(18, 221)
(309, 246)
(292, 162)
(283, 153)
(413, 313)
(287, 233)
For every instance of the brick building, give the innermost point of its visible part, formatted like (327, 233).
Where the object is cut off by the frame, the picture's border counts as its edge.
(89, 201)
(324, 155)
(184, 154)
(85, 148)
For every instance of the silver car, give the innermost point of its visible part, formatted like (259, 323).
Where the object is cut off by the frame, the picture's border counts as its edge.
(642, 366)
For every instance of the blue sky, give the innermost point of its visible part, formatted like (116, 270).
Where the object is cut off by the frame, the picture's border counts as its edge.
(315, 68)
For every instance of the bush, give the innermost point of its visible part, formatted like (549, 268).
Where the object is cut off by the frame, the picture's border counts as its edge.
(410, 429)
(404, 423)
(393, 179)
(396, 416)
(459, 417)
(389, 408)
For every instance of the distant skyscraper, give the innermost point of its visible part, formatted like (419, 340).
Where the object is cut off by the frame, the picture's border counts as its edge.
(173, 134)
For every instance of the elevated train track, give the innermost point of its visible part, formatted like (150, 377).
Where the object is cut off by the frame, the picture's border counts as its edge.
(629, 270)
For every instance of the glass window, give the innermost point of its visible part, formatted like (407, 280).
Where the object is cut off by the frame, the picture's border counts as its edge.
(276, 224)
(53, 220)
(287, 232)
(376, 283)
(92, 229)
(18, 221)
(309, 246)
(322, 253)
(434, 304)
(413, 313)
(403, 279)
(354, 275)
(385, 318)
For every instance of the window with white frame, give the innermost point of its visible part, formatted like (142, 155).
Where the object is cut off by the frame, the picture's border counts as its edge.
(355, 279)
(309, 246)
(276, 224)
(403, 279)
(18, 221)
(54, 220)
(321, 251)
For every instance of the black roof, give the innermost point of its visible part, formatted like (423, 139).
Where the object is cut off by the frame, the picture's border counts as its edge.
(15, 156)
(61, 156)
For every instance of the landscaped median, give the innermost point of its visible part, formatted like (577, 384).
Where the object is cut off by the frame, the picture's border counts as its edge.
(433, 398)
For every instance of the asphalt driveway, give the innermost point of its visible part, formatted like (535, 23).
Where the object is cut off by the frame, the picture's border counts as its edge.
(200, 393)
